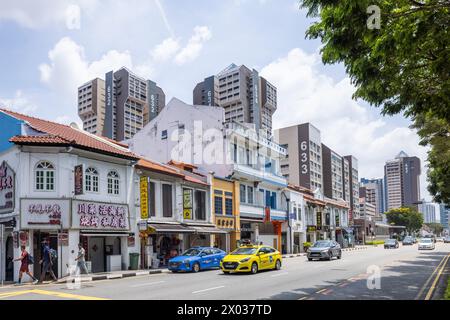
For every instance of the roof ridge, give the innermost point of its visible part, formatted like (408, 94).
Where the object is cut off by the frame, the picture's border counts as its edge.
(35, 118)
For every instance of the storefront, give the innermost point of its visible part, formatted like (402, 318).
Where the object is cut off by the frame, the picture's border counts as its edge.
(103, 232)
(7, 221)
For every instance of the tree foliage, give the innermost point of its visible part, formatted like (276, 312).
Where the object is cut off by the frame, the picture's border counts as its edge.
(402, 67)
(437, 228)
(407, 217)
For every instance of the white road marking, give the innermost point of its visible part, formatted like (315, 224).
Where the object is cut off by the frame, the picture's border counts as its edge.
(209, 289)
(146, 284)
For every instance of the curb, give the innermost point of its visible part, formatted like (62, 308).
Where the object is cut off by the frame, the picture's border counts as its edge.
(114, 276)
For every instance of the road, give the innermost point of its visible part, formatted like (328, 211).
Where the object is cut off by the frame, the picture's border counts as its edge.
(405, 274)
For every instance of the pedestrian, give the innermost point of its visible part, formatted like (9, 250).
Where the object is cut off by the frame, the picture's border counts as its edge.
(46, 262)
(81, 263)
(24, 263)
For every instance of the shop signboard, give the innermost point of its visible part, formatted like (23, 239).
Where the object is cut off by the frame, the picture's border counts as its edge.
(225, 223)
(311, 229)
(7, 188)
(187, 204)
(78, 178)
(44, 214)
(91, 215)
(338, 221)
(319, 219)
(63, 238)
(131, 241)
(144, 197)
(267, 214)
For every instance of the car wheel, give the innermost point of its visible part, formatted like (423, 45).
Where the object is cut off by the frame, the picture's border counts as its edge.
(330, 255)
(225, 272)
(309, 259)
(196, 267)
(278, 265)
(174, 271)
(254, 268)
(340, 255)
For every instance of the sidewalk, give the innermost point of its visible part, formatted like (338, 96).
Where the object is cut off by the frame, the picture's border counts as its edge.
(113, 275)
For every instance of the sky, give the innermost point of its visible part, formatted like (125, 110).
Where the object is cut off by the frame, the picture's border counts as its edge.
(50, 47)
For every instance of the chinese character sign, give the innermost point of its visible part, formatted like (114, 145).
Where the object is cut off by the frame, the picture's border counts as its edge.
(101, 216)
(6, 188)
(144, 197)
(187, 204)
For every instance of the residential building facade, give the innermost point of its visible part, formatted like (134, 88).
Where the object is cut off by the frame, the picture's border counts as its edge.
(428, 210)
(120, 105)
(245, 96)
(374, 193)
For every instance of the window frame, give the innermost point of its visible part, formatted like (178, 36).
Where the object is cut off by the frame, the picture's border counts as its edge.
(115, 182)
(50, 168)
(91, 177)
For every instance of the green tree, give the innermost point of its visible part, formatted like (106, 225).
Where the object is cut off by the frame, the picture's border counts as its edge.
(437, 228)
(407, 217)
(402, 67)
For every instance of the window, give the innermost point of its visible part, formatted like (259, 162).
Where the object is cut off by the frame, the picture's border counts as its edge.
(164, 135)
(113, 183)
(200, 205)
(273, 201)
(152, 199)
(250, 194)
(218, 206)
(229, 206)
(167, 200)
(242, 192)
(45, 176)
(91, 177)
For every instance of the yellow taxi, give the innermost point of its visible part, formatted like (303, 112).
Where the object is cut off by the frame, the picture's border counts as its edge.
(251, 258)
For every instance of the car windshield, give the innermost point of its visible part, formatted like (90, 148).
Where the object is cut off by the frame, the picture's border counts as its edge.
(244, 251)
(191, 252)
(425, 240)
(390, 241)
(322, 244)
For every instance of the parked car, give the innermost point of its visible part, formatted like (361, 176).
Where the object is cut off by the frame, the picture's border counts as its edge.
(391, 243)
(447, 239)
(251, 258)
(324, 249)
(426, 244)
(439, 239)
(408, 241)
(196, 259)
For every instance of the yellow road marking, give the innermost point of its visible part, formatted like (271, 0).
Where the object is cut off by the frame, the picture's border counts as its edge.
(429, 279)
(49, 293)
(438, 276)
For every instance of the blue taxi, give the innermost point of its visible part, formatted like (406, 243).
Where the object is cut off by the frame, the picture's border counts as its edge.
(196, 259)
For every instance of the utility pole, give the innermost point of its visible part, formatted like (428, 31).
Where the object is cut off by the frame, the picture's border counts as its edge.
(2, 259)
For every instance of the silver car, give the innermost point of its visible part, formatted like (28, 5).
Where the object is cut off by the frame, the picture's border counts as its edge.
(324, 249)
(426, 244)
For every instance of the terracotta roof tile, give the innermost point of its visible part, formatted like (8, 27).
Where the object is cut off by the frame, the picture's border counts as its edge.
(46, 139)
(154, 166)
(71, 136)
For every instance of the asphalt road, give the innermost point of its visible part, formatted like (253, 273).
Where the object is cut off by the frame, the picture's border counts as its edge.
(374, 273)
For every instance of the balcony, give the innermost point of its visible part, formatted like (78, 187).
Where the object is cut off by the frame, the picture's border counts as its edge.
(253, 173)
(258, 211)
(251, 133)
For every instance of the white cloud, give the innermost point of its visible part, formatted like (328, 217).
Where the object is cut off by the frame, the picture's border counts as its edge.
(165, 50)
(68, 67)
(307, 95)
(73, 17)
(19, 103)
(195, 45)
(43, 13)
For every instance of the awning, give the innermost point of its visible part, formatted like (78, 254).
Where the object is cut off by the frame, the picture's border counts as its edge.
(208, 230)
(170, 228)
(92, 233)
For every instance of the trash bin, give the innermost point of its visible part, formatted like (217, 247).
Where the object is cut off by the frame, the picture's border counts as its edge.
(134, 261)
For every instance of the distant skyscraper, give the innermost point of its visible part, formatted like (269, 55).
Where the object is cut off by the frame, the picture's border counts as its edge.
(245, 96)
(374, 189)
(120, 105)
(444, 212)
(353, 183)
(402, 181)
(428, 211)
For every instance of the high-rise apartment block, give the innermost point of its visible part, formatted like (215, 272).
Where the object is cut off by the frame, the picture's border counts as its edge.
(402, 181)
(245, 96)
(353, 183)
(444, 212)
(120, 105)
(374, 193)
(428, 210)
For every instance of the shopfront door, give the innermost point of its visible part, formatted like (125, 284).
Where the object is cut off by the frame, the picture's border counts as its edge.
(97, 254)
(38, 238)
(9, 266)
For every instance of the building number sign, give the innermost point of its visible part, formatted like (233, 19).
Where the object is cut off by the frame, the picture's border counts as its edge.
(304, 157)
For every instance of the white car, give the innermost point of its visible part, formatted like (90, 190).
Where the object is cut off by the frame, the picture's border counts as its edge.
(426, 244)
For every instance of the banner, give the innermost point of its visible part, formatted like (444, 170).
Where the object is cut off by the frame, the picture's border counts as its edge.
(144, 197)
(187, 204)
(78, 178)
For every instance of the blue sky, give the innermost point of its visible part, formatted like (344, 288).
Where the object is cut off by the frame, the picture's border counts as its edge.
(50, 47)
